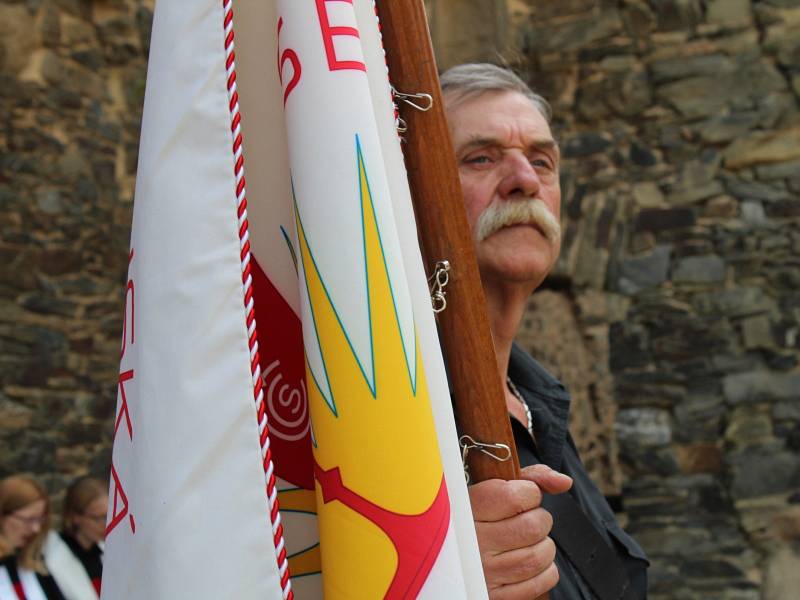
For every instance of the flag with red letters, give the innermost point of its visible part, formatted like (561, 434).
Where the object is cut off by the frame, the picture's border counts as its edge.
(283, 420)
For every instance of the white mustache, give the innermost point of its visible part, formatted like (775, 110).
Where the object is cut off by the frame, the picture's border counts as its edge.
(525, 211)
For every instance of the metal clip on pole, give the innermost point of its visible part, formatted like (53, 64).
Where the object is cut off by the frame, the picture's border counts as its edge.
(437, 283)
(411, 99)
(499, 452)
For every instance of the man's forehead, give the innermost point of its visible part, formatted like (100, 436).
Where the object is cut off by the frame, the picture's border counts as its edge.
(478, 140)
(499, 120)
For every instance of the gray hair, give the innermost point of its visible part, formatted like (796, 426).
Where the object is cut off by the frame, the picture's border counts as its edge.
(473, 79)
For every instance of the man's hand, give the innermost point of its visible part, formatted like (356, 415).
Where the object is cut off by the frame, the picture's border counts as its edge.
(512, 528)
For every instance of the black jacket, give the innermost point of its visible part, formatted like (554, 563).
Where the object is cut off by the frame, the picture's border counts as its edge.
(46, 582)
(549, 403)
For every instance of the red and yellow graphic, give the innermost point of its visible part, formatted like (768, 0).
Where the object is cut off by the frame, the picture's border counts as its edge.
(381, 498)
(307, 560)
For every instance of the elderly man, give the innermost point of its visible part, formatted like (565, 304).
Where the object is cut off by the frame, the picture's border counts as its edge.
(509, 168)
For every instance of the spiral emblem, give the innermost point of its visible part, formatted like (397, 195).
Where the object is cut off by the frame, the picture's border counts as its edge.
(287, 405)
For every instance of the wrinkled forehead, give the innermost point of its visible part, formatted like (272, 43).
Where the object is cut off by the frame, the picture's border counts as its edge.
(504, 116)
(454, 99)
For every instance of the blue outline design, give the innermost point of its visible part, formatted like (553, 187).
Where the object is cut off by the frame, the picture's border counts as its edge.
(335, 312)
(359, 165)
(311, 547)
(298, 512)
(299, 552)
(412, 380)
(288, 241)
(311, 425)
(371, 385)
(314, 378)
(331, 402)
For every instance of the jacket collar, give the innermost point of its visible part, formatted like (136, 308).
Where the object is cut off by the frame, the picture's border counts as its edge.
(548, 401)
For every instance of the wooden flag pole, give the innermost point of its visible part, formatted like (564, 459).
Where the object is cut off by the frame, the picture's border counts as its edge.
(445, 235)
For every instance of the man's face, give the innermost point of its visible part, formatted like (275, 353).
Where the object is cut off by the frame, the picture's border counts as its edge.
(506, 157)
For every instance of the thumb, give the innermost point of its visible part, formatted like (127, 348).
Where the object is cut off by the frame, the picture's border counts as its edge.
(549, 480)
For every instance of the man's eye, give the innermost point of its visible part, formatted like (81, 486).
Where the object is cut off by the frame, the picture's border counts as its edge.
(480, 159)
(541, 163)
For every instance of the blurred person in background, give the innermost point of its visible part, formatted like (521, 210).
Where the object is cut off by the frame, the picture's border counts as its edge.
(24, 524)
(75, 555)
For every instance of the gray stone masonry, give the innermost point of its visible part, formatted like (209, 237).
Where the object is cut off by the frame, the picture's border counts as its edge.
(679, 120)
(673, 313)
(71, 89)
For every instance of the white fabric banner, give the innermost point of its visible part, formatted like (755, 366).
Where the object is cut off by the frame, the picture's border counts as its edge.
(188, 513)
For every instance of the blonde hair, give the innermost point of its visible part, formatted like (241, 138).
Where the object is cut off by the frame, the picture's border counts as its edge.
(16, 492)
(80, 494)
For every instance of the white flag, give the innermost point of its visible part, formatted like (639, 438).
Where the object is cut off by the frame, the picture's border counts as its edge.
(192, 499)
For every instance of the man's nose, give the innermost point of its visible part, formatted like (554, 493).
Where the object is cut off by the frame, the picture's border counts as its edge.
(521, 179)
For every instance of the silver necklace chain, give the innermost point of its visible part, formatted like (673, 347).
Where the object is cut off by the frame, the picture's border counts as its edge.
(516, 393)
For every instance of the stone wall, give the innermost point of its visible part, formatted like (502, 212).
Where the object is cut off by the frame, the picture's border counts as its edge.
(674, 312)
(71, 88)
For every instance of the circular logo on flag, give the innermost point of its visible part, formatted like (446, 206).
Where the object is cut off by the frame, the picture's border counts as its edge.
(287, 405)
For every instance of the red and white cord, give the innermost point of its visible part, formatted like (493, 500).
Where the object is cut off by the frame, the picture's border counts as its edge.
(247, 282)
